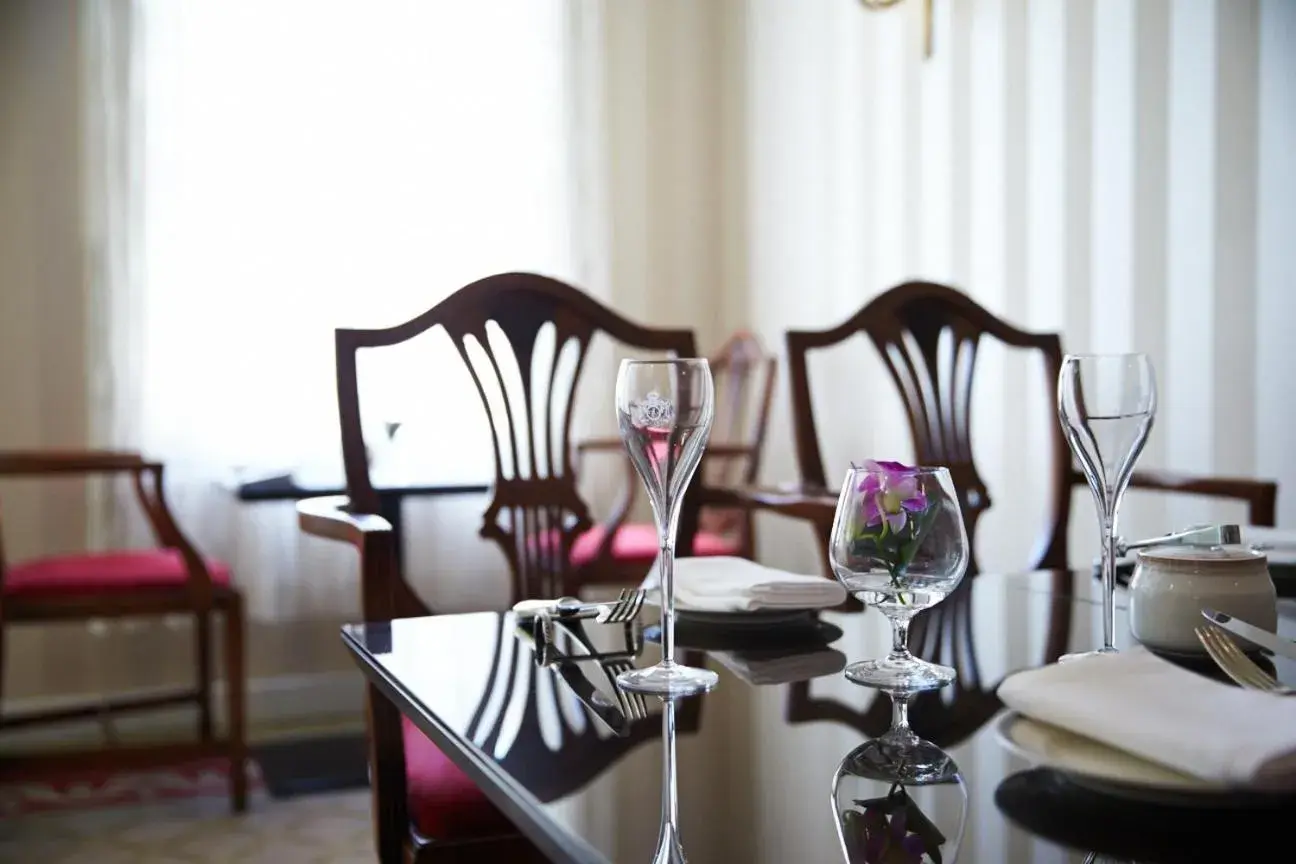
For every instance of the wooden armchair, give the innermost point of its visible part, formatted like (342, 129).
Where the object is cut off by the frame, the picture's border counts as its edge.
(424, 806)
(907, 324)
(172, 579)
(623, 551)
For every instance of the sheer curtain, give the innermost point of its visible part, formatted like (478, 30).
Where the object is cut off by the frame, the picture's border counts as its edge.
(304, 165)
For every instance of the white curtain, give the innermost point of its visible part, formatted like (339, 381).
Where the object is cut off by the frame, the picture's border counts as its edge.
(300, 166)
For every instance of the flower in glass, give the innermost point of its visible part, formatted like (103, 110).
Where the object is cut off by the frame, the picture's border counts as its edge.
(894, 516)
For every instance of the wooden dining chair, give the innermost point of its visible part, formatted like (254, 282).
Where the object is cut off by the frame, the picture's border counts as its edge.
(423, 804)
(744, 374)
(907, 325)
(172, 579)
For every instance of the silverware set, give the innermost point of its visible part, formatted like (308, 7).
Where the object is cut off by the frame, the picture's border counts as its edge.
(620, 611)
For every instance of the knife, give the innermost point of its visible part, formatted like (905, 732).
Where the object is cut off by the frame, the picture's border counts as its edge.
(1251, 633)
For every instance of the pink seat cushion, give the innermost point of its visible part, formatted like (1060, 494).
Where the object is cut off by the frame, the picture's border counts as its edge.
(637, 542)
(444, 802)
(104, 573)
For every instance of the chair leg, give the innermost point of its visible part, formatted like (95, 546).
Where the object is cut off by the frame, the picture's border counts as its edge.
(235, 691)
(203, 653)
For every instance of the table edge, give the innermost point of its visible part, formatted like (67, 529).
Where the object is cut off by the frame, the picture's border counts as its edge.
(519, 805)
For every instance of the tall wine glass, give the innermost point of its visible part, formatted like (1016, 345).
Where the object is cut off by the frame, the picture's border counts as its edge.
(665, 409)
(1106, 405)
(898, 543)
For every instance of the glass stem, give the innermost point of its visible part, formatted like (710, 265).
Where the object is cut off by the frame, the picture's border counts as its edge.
(670, 797)
(1109, 576)
(899, 714)
(900, 637)
(667, 559)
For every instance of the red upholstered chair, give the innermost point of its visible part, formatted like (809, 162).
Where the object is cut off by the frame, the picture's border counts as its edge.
(172, 579)
(622, 551)
(424, 807)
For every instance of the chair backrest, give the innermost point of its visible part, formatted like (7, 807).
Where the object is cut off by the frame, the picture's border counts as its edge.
(907, 325)
(745, 374)
(535, 512)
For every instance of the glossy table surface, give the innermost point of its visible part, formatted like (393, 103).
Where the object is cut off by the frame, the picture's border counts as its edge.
(757, 760)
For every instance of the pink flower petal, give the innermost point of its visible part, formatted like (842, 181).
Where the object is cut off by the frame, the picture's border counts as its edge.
(916, 504)
(905, 487)
(897, 521)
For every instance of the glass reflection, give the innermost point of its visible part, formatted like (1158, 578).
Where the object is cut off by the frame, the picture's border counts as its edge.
(669, 850)
(889, 810)
(944, 634)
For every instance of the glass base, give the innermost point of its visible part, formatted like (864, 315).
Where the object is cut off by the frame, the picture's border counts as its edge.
(668, 680)
(896, 674)
(1097, 652)
(900, 756)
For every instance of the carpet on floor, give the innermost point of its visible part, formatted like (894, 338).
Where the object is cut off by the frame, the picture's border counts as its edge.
(84, 789)
(282, 769)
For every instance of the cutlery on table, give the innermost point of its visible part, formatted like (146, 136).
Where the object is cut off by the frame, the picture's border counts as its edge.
(623, 609)
(1271, 642)
(1236, 665)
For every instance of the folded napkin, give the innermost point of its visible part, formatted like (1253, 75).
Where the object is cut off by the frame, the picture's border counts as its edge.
(725, 584)
(773, 667)
(1138, 703)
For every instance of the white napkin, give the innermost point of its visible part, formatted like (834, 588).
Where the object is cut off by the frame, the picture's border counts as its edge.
(771, 667)
(1136, 702)
(725, 584)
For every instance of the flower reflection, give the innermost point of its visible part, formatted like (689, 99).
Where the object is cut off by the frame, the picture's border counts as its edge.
(888, 813)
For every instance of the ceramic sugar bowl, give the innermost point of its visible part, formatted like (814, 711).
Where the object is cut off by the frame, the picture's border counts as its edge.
(1172, 584)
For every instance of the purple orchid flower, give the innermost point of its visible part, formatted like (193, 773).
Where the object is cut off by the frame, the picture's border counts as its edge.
(891, 492)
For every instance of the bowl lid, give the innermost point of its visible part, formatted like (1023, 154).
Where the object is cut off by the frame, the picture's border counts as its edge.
(1207, 555)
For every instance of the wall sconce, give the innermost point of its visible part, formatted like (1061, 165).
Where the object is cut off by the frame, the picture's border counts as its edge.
(875, 5)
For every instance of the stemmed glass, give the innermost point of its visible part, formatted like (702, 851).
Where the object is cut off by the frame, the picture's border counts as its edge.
(665, 409)
(1106, 405)
(898, 543)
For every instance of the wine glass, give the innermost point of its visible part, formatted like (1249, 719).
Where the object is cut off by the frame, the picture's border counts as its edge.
(665, 409)
(898, 543)
(1106, 405)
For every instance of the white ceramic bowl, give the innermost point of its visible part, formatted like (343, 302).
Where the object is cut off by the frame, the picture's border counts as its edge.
(1172, 584)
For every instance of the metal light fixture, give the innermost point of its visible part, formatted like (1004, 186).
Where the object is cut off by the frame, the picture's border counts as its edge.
(876, 5)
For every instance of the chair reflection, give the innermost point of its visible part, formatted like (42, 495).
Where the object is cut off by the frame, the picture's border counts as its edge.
(942, 634)
(553, 727)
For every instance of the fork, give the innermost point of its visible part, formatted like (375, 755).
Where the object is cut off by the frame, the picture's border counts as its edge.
(631, 703)
(623, 609)
(1236, 665)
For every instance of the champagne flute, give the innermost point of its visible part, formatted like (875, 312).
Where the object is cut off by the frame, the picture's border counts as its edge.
(665, 409)
(1106, 405)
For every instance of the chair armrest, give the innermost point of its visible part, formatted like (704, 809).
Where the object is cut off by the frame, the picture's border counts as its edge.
(814, 505)
(1261, 496)
(328, 517)
(19, 463)
(595, 445)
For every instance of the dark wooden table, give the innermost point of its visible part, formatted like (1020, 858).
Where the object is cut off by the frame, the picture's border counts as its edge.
(756, 761)
(391, 499)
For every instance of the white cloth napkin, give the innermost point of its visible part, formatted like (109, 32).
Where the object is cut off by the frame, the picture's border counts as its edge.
(1138, 703)
(725, 584)
(770, 667)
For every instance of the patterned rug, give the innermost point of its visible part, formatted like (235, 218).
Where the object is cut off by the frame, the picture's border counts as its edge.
(94, 790)
(315, 829)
